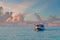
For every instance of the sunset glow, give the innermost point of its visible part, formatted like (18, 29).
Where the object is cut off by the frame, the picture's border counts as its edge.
(24, 11)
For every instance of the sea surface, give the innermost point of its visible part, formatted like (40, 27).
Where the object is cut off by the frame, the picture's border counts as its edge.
(28, 33)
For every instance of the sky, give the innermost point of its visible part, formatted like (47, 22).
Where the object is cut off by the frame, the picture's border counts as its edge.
(44, 8)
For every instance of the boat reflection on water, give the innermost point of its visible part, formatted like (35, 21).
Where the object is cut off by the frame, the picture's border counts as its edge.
(39, 27)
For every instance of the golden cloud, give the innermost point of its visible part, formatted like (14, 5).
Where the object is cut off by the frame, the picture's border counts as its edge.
(8, 20)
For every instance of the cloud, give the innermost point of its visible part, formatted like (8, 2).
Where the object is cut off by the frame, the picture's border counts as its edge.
(37, 10)
(19, 7)
(1, 3)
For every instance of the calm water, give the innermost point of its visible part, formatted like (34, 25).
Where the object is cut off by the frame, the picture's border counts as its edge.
(28, 33)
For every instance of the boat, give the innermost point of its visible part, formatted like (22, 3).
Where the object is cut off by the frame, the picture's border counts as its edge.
(39, 27)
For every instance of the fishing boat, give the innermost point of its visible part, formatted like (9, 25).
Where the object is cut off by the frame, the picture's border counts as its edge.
(39, 27)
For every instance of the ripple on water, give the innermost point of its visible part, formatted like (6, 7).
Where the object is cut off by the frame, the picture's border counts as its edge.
(28, 33)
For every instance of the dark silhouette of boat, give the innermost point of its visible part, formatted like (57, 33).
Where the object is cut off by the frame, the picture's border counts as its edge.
(39, 27)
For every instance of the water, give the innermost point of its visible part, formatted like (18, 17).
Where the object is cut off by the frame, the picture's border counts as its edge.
(28, 33)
